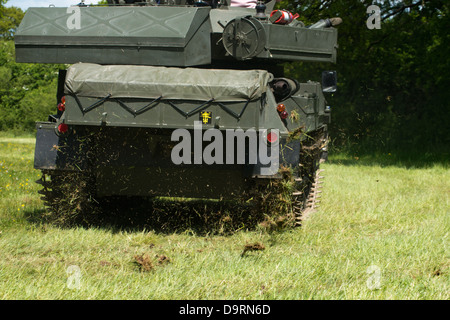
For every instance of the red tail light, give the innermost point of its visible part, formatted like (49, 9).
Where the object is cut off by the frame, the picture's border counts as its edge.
(272, 137)
(63, 128)
(281, 107)
(62, 104)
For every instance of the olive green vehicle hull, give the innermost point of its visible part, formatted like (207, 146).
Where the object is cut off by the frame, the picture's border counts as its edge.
(131, 152)
(141, 72)
(137, 162)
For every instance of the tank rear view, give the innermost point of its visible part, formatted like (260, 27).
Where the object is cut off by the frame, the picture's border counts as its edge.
(179, 99)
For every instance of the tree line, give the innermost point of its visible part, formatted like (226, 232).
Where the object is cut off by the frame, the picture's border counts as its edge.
(393, 84)
(27, 91)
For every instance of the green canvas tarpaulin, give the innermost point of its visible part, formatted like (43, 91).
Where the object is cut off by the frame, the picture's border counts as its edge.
(116, 81)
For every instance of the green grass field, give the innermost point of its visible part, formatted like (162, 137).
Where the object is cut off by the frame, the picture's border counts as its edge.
(381, 232)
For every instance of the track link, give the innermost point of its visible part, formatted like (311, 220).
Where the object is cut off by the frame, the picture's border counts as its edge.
(306, 196)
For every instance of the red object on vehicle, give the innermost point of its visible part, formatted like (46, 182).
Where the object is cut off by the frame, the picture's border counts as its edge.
(63, 128)
(281, 107)
(284, 115)
(62, 104)
(286, 17)
(272, 137)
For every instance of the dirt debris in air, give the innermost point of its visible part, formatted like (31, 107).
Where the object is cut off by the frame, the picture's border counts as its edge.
(257, 246)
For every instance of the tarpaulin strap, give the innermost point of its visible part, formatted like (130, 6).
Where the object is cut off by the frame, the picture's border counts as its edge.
(145, 108)
(91, 107)
(155, 102)
(231, 112)
(190, 113)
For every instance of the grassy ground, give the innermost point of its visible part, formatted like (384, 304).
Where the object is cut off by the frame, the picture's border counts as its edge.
(381, 232)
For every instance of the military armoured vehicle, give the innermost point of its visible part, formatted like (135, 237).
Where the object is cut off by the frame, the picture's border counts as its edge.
(144, 77)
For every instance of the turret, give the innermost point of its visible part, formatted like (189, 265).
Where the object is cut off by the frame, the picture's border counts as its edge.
(168, 33)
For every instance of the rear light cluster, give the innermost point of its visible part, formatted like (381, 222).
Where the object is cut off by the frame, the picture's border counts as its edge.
(281, 108)
(63, 128)
(62, 104)
(272, 137)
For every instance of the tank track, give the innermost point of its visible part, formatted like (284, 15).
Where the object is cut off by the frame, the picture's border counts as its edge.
(71, 195)
(68, 195)
(306, 196)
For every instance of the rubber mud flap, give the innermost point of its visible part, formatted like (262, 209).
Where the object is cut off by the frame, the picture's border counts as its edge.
(46, 151)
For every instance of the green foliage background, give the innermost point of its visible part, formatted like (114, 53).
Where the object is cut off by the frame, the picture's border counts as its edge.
(393, 82)
(27, 91)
